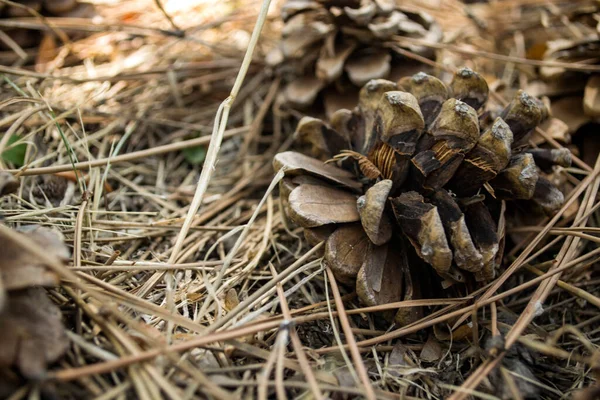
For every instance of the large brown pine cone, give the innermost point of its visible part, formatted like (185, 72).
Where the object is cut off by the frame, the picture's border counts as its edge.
(418, 168)
(343, 43)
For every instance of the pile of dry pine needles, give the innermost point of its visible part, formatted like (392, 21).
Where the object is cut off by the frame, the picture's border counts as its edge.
(112, 129)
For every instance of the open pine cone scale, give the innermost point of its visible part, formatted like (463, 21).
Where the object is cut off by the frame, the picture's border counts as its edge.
(420, 182)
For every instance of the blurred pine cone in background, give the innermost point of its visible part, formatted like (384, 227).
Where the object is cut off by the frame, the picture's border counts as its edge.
(26, 38)
(337, 46)
(561, 32)
(416, 175)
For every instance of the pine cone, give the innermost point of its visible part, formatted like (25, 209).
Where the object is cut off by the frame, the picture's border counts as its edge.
(414, 166)
(343, 43)
(27, 38)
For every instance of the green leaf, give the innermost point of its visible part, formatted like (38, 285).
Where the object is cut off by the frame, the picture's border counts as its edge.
(195, 155)
(16, 154)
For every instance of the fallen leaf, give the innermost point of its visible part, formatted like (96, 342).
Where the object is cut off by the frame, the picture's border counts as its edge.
(32, 333)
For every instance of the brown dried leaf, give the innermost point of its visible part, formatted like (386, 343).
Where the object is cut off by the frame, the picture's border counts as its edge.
(443, 333)
(345, 252)
(312, 206)
(20, 269)
(32, 333)
(432, 351)
(297, 164)
(421, 223)
(46, 52)
(8, 183)
(371, 208)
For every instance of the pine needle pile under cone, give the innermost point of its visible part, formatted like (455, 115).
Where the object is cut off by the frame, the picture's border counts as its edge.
(422, 170)
(341, 45)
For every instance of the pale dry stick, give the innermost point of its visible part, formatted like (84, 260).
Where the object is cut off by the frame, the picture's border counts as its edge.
(280, 350)
(266, 371)
(538, 298)
(241, 238)
(344, 321)
(77, 255)
(136, 155)
(218, 132)
(296, 343)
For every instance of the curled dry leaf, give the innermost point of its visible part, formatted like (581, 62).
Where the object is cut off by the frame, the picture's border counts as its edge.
(313, 205)
(432, 351)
